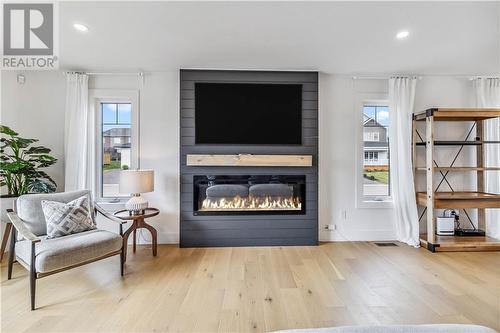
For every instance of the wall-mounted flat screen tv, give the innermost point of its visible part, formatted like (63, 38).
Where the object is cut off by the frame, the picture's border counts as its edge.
(248, 114)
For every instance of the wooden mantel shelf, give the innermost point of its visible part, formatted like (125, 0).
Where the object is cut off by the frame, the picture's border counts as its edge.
(249, 160)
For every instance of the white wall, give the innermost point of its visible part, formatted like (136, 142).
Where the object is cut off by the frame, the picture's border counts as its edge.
(159, 149)
(338, 96)
(158, 144)
(337, 155)
(36, 109)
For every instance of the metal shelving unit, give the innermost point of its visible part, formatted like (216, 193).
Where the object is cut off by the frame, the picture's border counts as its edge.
(435, 199)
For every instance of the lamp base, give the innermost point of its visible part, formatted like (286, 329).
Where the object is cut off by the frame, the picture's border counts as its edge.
(136, 203)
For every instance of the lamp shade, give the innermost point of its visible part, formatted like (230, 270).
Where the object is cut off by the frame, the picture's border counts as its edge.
(137, 181)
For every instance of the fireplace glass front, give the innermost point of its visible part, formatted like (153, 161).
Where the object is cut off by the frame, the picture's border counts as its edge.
(248, 195)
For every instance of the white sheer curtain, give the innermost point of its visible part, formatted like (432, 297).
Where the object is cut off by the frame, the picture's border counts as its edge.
(401, 100)
(488, 96)
(79, 134)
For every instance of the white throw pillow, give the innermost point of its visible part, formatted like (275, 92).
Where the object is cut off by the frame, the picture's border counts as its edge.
(67, 218)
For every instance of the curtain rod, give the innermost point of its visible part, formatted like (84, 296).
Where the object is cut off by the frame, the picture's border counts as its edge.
(370, 77)
(108, 73)
(114, 73)
(421, 76)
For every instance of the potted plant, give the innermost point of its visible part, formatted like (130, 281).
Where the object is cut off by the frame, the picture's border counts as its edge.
(21, 164)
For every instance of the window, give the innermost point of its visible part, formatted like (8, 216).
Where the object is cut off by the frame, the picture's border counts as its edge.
(371, 136)
(371, 157)
(116, 132)
(376, 179)
(116, 114)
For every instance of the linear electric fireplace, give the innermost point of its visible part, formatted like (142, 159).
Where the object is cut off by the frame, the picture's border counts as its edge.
(226, 117)
(249, 195)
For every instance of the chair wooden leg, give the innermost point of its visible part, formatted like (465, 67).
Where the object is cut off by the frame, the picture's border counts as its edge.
(5, 239)
(32, 289)
(135, 240)
(122, 254)
(32, 277)
(122, 262)
(12, 249)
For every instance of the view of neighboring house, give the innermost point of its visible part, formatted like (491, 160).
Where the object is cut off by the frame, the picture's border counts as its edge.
(116, 155)
(376, 145)
(376, 180)
(116, 146)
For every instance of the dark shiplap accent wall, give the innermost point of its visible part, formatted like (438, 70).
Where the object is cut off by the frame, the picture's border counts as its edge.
(248, 230)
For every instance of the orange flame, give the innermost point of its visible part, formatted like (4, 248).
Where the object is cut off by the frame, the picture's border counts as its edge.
(251, 203)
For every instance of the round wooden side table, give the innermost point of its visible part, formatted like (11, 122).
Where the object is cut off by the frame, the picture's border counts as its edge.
(138, 221)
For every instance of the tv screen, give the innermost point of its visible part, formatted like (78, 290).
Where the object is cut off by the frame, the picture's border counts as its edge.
(248, 114)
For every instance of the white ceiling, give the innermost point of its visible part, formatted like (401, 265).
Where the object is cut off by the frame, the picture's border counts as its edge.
(334, 37)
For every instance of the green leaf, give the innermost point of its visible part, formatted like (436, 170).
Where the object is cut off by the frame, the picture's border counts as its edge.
(7, 131)
(45, 157)
(21, 164)
(43, 174)
(37, 150)
(7, 142)
(44, 161)
(15, 166)
(24, 143)
(40, 186)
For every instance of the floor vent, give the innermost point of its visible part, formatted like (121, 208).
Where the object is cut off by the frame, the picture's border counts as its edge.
(386, 244)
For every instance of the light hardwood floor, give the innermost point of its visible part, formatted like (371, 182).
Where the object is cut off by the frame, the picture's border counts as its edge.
(260, 289)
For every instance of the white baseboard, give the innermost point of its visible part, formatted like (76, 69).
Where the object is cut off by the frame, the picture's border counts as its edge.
(325, 236)
(357, 235)
(144, 237)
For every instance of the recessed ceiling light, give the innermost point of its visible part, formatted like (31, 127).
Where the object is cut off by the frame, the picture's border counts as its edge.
(80, 27)
(402, 34)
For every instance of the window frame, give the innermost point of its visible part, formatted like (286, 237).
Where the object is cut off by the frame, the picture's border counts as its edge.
(363, 201)
(96, 98)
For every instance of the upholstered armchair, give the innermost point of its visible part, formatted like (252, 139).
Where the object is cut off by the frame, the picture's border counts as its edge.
(43, 257)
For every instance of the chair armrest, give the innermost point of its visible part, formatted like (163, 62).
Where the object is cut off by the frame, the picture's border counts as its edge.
(21, 227)
(107, 215)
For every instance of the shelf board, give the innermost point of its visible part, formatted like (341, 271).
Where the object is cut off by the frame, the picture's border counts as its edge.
(461, 169)
(461, 200)
(458, 143)
(249, 160)
(458, 114)
(459, 243)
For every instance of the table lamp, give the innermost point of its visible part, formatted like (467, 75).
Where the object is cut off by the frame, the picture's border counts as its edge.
(136, 182)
